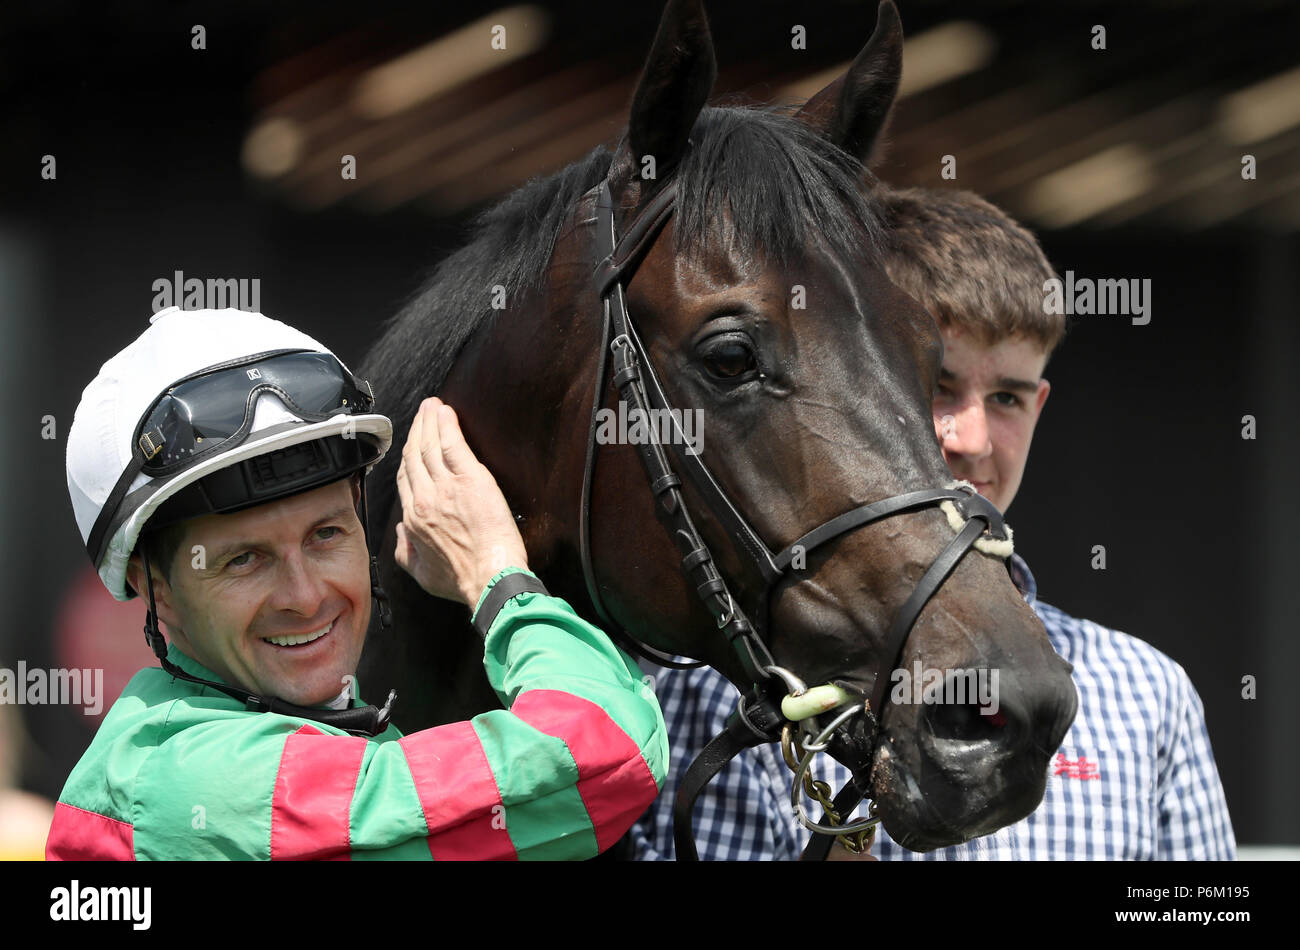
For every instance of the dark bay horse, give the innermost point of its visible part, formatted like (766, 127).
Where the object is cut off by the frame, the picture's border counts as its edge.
(763, 310)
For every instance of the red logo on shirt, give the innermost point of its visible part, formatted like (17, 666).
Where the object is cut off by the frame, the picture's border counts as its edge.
(1081, 769)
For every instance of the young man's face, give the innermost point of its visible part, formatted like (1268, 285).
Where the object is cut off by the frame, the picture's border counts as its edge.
(985, 410)
(292, 568)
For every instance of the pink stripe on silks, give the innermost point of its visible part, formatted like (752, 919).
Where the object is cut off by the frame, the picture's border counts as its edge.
(80, 835)
(451, 770)
(312, 802)
(614, 781)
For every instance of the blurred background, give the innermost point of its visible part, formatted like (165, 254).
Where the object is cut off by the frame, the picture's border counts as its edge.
(224, 161)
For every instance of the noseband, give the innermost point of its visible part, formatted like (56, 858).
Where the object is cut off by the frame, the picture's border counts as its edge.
(759, 718)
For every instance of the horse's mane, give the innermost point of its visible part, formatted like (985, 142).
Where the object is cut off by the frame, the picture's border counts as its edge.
(753, 177)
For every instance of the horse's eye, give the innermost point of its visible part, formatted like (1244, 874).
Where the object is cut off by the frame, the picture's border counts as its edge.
(730, 360)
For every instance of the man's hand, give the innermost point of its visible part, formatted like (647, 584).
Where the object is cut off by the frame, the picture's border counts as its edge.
(456, 530)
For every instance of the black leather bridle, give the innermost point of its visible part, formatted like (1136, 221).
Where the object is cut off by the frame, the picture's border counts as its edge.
(758, 719)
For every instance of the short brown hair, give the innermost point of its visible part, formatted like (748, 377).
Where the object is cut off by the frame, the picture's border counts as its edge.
(969, 264)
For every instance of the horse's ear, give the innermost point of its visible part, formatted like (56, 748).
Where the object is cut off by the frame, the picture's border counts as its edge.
(676, 82)
(852, 111)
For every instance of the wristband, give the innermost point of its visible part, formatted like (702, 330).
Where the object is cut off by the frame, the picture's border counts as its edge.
(506, 587)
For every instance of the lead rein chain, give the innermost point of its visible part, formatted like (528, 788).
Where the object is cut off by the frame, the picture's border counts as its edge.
(801, 707)
(792, 751)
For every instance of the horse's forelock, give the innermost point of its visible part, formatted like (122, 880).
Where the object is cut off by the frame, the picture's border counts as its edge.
(754, 178)
(767, 184)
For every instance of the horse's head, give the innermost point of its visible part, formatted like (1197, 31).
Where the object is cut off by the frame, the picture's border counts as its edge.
(807, 377)
(765, 314)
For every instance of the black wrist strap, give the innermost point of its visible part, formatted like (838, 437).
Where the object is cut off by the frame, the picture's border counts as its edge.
(505, 588)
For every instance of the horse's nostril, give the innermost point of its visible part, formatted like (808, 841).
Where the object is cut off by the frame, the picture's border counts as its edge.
(1054, 728)
(964, 722)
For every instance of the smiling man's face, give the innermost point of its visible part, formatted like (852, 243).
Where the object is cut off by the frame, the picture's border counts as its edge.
(985, 409)
(295, 571)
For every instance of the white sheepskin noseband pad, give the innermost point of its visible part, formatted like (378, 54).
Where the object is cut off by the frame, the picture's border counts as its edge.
(993, 547)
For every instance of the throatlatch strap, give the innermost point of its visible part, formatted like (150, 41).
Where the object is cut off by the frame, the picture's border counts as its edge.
(505, 588)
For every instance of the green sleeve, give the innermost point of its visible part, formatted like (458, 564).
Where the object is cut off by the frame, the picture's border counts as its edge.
(562, 773)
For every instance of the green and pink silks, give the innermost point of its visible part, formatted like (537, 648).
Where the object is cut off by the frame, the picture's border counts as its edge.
(181, 771)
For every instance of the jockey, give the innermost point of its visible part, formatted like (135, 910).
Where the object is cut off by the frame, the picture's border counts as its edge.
(217, 465)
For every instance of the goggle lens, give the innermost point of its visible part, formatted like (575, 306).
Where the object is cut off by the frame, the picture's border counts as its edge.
(197, 415)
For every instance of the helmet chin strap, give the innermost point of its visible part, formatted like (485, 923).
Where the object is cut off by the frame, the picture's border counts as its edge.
(361, 721)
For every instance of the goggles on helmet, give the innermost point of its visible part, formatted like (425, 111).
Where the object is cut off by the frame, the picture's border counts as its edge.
(213, 410)
(199, 415)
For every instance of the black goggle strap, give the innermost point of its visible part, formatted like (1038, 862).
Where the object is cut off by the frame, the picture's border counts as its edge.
(98, 538)
(361, 721)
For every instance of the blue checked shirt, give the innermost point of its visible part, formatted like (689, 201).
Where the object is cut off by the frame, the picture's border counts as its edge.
(1134, 779)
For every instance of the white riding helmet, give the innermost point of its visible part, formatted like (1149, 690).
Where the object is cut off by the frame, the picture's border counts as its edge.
(133, 418)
